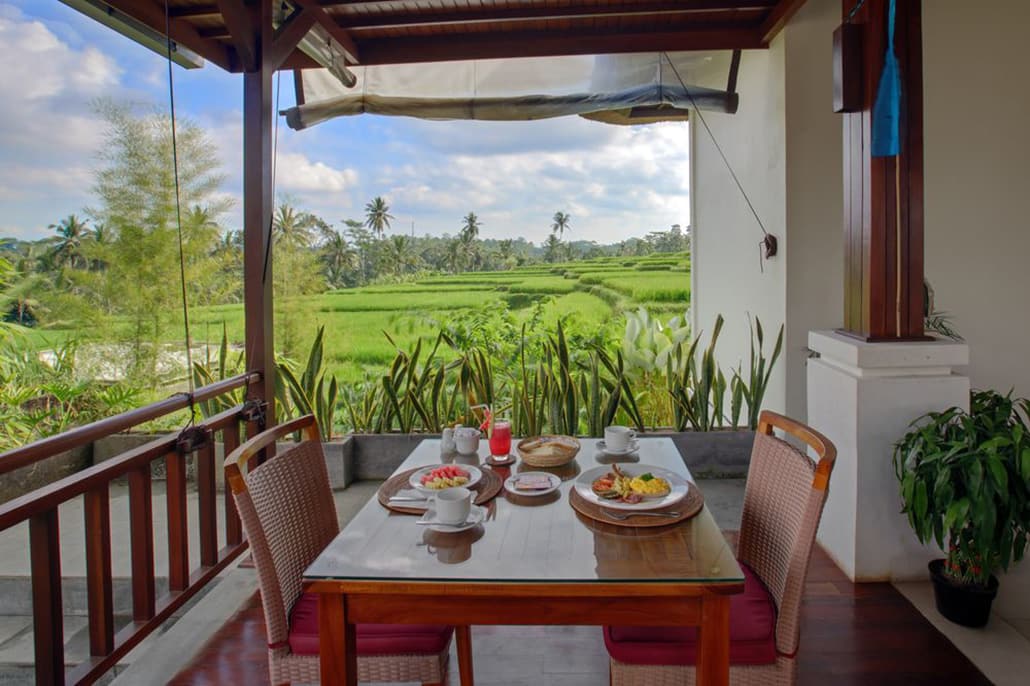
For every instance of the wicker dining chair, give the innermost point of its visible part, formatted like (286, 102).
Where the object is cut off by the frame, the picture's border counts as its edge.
(783, 502)
(287, 509)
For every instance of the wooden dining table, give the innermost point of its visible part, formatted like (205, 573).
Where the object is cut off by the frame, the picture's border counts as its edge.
(533, 561)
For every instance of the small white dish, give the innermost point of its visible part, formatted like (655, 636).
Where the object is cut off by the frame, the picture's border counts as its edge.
(476, 516)
(631, 448)
(509, 484)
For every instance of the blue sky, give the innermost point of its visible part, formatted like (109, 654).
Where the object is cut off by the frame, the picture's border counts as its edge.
(615, 182)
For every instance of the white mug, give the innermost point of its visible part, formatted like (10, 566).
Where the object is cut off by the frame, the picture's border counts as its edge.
(466, 439)
(618, 437)
(453, 505)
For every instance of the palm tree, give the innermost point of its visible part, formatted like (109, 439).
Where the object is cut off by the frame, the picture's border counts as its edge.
(561, 222)
(400, 253)
(339, 258)
(292, 228)
(470, 228)
(553, 248)
(377, 216)
(455, 255)
(71, 232)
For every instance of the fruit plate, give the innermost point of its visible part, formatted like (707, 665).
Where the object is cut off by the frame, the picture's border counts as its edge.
(416, 479)
(678, 487)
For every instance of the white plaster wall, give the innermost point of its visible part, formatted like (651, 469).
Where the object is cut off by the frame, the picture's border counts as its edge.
(815, 198)
(977, 137)
(785, 145)
(725, 235)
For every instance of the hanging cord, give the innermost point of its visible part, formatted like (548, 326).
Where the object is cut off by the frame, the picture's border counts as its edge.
(767, 238)
(178, 218)
(275, 158)
(854, 11)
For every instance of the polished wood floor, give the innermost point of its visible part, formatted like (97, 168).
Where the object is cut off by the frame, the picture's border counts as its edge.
(851, 634)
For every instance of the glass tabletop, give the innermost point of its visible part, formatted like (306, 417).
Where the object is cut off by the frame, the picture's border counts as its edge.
(528, 539)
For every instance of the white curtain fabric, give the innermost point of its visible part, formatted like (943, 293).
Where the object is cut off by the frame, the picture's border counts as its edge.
(604, 87)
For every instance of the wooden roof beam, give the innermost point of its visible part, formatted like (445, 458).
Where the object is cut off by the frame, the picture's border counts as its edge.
(338, 33)
(778, 18)
(187, 11)
(514, 44)
(468, 15)
(242, 32)
(153, 15)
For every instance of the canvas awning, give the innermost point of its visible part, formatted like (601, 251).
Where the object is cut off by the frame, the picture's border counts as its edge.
(623, 89)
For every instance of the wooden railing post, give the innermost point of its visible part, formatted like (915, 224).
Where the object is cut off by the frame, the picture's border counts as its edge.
(47, 614)
(141, 533)
(178, 522)
(206, 499)
(98, 571)
(233, 526)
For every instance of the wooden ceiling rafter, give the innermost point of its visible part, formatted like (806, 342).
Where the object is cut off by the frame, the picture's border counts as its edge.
(573, 12)
(377, 32)
(338, 33)
(445, 48)
(778, 18)
(151, 13)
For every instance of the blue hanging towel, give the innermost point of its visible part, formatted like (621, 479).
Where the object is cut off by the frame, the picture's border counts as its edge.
(887, 108)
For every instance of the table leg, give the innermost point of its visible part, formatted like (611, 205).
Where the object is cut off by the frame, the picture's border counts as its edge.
(337, 642)
(463, 634)
(713, 663)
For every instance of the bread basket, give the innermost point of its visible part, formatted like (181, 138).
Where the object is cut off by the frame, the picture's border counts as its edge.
(548, 451)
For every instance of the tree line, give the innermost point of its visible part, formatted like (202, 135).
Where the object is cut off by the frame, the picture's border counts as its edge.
(121, 258)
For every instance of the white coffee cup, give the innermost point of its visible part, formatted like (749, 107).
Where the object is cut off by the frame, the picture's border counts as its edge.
(618, 437)
(453, 505)
(466, 439)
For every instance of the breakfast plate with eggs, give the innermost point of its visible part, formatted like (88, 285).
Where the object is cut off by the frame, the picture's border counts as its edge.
(631, 487)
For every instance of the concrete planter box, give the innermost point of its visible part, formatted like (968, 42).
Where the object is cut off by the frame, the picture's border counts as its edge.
(33, 476)
(724, 453)
(376, 456)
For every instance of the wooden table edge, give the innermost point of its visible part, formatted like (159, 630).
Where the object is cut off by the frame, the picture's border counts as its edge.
(457, 587)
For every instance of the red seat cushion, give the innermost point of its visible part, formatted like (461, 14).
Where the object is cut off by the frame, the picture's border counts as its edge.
(752, 634)
(373, 639)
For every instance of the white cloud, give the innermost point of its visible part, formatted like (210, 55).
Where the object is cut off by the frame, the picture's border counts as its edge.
(295, 172)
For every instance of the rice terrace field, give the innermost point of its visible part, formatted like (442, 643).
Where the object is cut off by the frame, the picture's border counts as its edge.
(588, 296)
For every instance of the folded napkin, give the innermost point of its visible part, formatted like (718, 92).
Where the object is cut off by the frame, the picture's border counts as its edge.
(409, 495)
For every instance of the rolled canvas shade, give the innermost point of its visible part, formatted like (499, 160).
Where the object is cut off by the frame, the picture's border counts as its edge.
(624, 89)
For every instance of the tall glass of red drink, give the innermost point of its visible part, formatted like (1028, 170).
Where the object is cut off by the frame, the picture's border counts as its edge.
(500, 439)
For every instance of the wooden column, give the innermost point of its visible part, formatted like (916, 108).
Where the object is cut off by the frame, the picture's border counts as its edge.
(257, 212)
(883, 257)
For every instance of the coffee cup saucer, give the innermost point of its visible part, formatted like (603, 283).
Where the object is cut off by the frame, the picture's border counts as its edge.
(476, 516)
(631, 448)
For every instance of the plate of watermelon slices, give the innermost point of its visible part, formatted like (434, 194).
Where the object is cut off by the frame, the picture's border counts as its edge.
(435, 478)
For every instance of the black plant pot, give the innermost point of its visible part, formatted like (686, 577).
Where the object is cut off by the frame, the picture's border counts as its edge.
(964, 604)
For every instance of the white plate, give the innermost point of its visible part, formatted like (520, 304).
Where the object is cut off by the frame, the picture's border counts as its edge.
(475, 518)
(474, 476)
(633, 447)
(509, 484)
(679, 487)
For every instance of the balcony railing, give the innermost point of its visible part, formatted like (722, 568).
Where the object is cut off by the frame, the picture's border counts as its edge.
(40, 509)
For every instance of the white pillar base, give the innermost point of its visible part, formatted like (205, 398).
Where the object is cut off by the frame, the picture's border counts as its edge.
(863, 396)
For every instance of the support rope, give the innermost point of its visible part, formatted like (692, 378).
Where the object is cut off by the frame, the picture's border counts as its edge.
(768, 242)
(275, 157)
(178, 217)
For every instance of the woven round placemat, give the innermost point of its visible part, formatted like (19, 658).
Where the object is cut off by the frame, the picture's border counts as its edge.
(488, 487)
(691, 504)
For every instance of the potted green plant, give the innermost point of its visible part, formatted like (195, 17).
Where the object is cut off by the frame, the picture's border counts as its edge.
(965, 484)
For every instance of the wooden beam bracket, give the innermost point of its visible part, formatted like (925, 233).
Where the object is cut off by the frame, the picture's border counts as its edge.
(244, 38)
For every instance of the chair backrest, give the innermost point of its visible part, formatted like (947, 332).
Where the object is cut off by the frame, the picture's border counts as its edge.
(783, 501)
(287, 509)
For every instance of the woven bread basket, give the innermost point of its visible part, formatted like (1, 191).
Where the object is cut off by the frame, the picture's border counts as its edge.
(548, 451)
